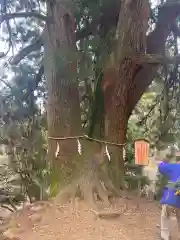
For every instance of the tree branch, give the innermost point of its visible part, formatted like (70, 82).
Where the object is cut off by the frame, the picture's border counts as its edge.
(9, 16)
(155, 45)
(37, 44)
(7, 207)
(89, 30)
(157, 59)
(144, 119)
(106, 20)
(34, 46)
(35, 83)
(175, 29)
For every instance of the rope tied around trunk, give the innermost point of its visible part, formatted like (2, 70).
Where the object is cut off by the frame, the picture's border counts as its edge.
(86, 137)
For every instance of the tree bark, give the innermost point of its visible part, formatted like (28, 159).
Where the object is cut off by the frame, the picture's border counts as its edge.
(124, 79)
(83, 173)
(63, 106)
(119, 74)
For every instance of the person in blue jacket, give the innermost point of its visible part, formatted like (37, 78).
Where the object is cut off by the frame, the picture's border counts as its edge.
(170, 200)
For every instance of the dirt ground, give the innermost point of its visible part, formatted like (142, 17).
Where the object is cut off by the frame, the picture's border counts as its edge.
(78, 222)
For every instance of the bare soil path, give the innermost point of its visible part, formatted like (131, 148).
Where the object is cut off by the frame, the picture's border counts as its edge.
(54, 222)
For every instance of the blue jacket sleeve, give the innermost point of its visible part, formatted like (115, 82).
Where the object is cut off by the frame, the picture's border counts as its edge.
(163, 168)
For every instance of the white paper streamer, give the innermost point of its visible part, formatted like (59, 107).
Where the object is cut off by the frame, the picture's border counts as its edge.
(79, 147)
(107, 153)
(57, 150)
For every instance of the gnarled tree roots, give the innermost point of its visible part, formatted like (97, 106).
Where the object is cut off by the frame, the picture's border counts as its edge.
(92, 186)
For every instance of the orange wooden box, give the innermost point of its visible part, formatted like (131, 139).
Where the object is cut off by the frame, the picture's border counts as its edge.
(141, 152)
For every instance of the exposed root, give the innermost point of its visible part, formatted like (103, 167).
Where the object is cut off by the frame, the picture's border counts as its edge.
(106, 215)
(93, 185)
(90, 188)
(69, 192)
(111, 190)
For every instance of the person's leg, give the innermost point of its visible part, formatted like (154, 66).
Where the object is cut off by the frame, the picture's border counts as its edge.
(165, 216)
(178, 218)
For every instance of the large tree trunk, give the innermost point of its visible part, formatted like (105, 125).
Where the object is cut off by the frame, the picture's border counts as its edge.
(83, 173)
(63, 106)
(116, 120)
(124, 79)
(119, 75)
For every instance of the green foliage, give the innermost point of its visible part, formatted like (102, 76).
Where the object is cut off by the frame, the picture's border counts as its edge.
(133, 177)
(155, 117)
(29, 160)
(132, 182)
